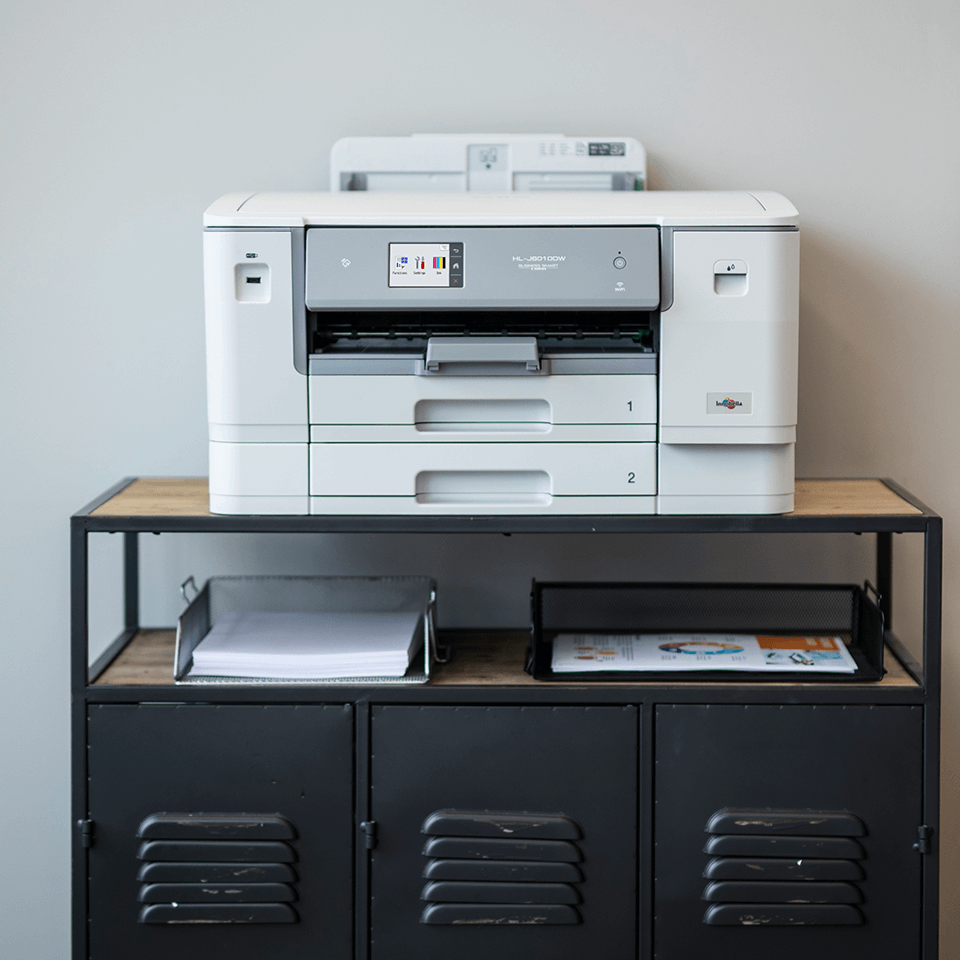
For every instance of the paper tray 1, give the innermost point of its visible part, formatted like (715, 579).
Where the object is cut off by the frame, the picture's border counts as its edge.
(708, 608)
(265, 594)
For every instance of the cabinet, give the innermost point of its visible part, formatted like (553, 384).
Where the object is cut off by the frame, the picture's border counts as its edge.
(639, 820)
(862, 759)
(149, 758)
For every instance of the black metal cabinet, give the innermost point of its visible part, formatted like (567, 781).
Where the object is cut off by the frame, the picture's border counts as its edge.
(200, 812)
(499, 816)
(787, 831)
(443, 864)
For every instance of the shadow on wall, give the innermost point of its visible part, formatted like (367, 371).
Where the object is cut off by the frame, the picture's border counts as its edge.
(866, 371)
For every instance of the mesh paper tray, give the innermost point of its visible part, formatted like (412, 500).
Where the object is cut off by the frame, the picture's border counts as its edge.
(729, 608)
(306, 595)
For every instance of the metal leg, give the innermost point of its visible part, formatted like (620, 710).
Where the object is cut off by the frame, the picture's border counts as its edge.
(78, 668)
(362, 801)
(932, 590)
(131, 580)
(885, 576)
(932, 594)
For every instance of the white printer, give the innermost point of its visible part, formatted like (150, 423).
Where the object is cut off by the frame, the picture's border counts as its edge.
(521, 353)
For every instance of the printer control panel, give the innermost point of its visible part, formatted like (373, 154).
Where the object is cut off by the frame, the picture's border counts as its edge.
(542, 268)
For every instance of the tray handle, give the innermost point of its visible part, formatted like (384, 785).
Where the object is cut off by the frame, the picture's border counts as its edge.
(868, 587)
(189, 582)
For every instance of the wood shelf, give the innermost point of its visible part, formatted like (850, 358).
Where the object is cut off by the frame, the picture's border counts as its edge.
(188, 497)
(491, 658)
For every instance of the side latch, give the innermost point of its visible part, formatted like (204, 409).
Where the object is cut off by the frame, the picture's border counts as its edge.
(369, 828)
(86, 832)
(924, 833)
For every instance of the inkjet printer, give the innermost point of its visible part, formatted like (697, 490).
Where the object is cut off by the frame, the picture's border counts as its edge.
(464, 354)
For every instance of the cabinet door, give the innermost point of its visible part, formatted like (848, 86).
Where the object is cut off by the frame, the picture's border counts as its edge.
(787, 832)
(507, 832)
(222, 832)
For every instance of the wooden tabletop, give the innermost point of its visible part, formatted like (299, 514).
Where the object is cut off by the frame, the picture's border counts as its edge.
(189, 497)
(481, 658)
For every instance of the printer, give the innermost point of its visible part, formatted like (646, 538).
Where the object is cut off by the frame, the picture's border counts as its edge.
(621, 352)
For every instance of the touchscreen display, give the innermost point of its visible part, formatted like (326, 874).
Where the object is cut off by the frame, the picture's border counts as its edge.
(426, 265)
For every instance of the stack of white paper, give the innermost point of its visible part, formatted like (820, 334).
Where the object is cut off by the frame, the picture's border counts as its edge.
(308, 646)
(591, 653)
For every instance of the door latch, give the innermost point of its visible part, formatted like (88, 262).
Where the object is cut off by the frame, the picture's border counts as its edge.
(369, 828)
(86, 832)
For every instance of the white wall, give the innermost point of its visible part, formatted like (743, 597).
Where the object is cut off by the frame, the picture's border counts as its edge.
(120, 121)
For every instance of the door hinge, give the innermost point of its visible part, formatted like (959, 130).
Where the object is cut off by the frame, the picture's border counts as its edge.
(86, 832)
(369, 828)
(924, 833)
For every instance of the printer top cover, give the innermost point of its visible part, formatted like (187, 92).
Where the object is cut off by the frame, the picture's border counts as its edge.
(659, 208)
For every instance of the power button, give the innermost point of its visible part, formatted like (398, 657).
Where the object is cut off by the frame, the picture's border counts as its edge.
(619, 262)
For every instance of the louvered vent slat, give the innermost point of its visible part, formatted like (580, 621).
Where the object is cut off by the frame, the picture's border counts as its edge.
(788, 915)
(501, 868)
(532, 870)
(218, 913)
(217, 868)
(781, 891)
(217, 893)
(465, 914)
(182, 872)
(219, 826)
(470, 848)
(229, 851)
(774, 868)
(783, 868)
(453, 823)
(486, 891)
(805, 823)
(793, 847)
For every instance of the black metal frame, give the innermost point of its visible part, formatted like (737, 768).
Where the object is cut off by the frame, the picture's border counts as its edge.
(645, 695)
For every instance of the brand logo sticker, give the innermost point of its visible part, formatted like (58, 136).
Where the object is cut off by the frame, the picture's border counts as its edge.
(726, 404)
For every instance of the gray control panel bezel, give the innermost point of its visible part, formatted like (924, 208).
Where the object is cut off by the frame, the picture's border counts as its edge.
(538, 268)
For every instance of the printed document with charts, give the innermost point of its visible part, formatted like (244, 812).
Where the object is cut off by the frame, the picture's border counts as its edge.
(589, 652)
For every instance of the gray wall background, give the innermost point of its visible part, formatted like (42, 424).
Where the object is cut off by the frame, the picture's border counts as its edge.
(121, 121)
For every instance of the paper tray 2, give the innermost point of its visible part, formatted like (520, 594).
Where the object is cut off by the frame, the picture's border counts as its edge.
(708, 608)
(279, 594)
